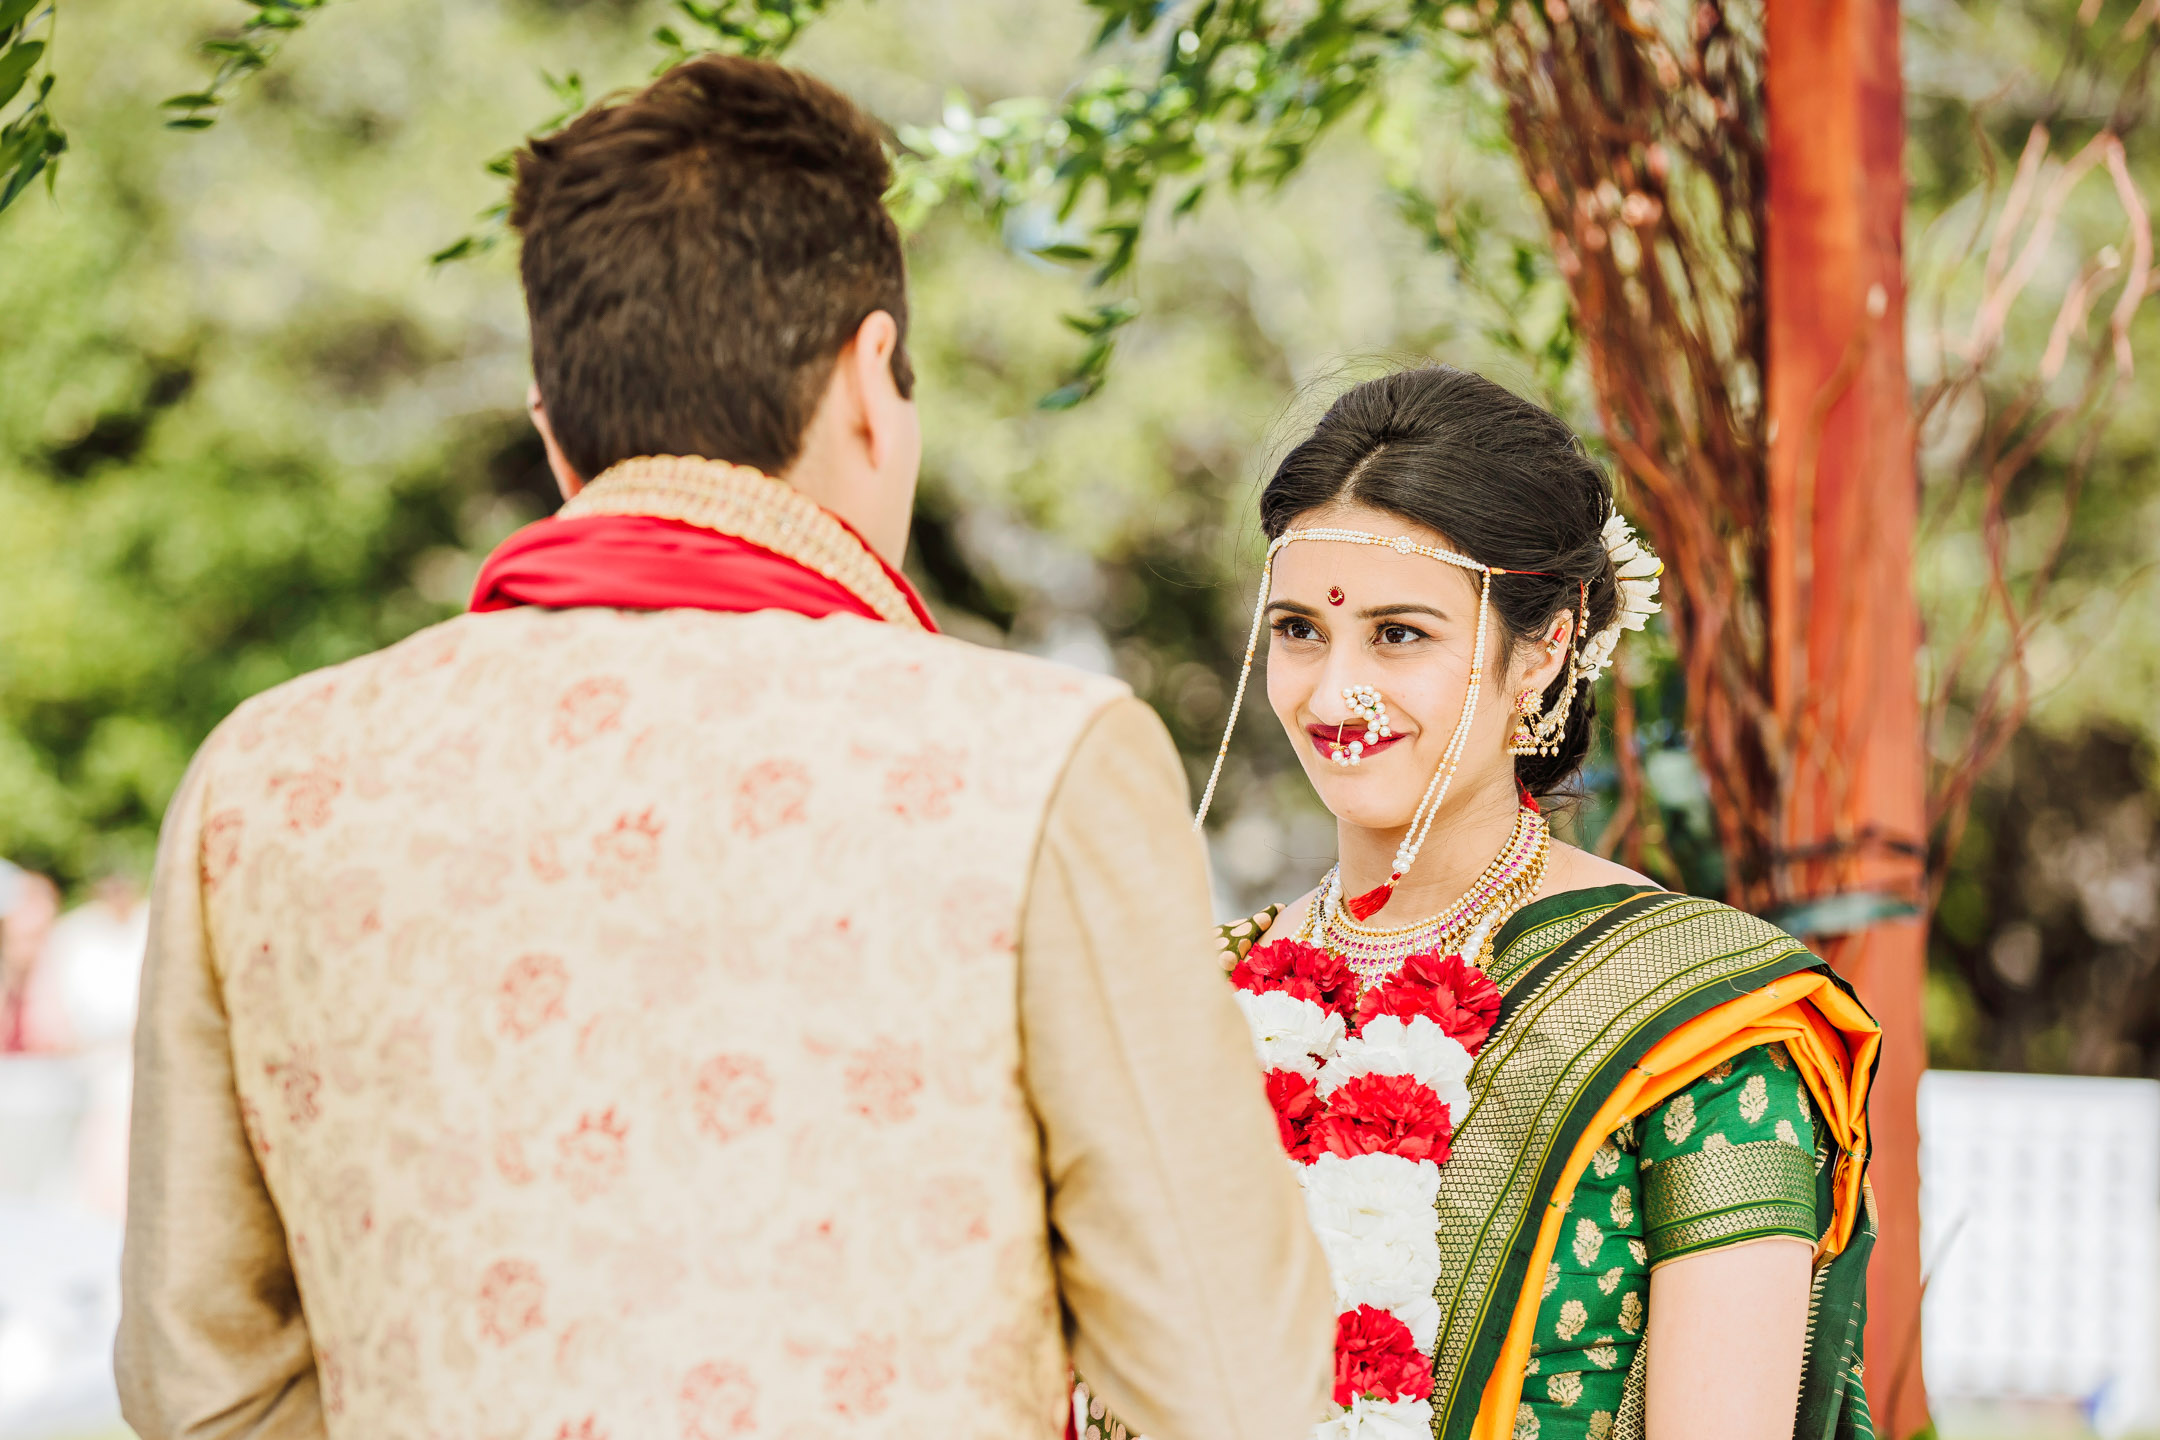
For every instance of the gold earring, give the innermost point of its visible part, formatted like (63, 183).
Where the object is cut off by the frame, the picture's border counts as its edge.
(1536, 731)
(1529, 713)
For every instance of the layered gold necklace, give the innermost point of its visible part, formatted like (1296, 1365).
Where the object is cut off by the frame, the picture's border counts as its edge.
(1373, 953)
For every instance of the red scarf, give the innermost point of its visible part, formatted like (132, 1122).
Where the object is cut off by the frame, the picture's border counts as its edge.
(644, 562)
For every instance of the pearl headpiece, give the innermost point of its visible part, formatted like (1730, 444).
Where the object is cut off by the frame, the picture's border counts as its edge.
(1637, 568)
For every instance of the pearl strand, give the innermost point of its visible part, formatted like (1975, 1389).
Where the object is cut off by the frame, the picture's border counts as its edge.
(1511, 881)
(1428, 809)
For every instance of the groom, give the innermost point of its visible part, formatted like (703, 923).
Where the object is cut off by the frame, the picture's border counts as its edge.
(688, 996)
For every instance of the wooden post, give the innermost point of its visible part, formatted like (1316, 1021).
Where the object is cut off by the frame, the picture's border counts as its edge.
(1844, 628)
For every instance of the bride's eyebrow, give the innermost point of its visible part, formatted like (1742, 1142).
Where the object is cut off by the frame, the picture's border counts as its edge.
(1378, 612)
(1294, 608)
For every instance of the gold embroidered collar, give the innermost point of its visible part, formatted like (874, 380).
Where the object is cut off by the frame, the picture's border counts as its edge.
(748, 505)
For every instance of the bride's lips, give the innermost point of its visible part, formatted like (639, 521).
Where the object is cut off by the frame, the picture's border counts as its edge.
(1324, 740)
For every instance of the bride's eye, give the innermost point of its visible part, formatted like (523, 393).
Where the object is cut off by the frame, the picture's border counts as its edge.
(1296, 627)
(1395, 633)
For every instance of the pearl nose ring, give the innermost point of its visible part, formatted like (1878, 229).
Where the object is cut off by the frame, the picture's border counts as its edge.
(1365, 704)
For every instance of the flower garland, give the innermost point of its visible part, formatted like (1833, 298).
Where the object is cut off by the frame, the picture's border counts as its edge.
(1366, 1087)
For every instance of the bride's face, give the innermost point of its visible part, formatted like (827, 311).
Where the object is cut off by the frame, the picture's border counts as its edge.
(1343, 615)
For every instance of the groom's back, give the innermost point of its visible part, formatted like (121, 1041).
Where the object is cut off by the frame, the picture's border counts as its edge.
(623, 1014)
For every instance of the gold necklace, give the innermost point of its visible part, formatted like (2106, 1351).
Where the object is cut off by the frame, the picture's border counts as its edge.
(1373, 953)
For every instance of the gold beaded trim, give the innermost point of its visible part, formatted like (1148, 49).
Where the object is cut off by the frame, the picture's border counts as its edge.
(749, 505)
(1373, 954)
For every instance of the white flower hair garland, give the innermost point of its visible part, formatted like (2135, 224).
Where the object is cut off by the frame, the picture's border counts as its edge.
(1638, 570)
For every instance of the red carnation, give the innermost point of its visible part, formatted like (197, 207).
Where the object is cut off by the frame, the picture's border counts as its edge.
(1455, 996)
(1392, 1114)
(1304, 971)
(1376, 1358)
(1297, 1106)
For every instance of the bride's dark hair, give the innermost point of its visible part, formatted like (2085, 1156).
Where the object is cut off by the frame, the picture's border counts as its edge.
(1505, 482)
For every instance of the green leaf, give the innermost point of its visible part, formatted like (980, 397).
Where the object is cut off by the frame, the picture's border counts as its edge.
(240, 56)
(44, 144)
(1074, 254)
(1841, 914)
(1067, 396)
(12, 13)
(191, 122)
(194, 100)
(15, 67)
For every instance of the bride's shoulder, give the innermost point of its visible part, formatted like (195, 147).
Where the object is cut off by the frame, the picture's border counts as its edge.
(1272, 923)
(1568, 868)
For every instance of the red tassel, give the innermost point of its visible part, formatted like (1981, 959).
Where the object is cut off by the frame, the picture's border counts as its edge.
(1367, 905)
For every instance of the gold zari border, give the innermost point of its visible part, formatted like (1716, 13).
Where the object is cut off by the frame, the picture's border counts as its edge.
(749, 505)
(1715, 1197)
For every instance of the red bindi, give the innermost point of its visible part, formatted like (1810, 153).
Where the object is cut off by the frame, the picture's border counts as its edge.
(1334, 595)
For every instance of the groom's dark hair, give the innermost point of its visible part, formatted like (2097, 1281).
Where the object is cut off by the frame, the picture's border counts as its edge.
(695, 256)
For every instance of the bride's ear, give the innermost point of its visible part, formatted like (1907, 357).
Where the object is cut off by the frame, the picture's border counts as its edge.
(1538, 661)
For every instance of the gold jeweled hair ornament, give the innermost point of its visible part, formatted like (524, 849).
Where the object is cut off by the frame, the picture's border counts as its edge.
(1638, 572)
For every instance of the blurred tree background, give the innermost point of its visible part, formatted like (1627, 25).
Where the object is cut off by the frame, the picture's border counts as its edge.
(246, 429)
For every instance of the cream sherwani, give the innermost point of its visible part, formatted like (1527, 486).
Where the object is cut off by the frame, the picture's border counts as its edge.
(586, 1023)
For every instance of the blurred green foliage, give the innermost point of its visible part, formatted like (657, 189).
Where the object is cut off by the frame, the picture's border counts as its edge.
(31, 140)
(246, 428)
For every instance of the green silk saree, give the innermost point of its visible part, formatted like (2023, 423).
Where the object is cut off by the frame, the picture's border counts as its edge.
(1614, 1000)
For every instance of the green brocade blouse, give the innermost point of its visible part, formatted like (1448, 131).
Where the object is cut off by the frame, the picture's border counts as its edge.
(1729, 1159)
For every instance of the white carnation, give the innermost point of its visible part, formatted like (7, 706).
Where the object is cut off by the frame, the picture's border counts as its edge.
(1380, 1420)
(1417, 1047)
(1375, 1221)
(1288, 1032)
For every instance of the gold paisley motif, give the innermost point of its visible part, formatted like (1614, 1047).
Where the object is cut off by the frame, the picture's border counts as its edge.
(1600, 1425)
(1526, 1422)
(1564, 1389)
(1602, 1355)
(1588, 1240)
(1610, 1280)
(1623, 1207)
(1631, 1312)
(1679, 1117)
(1606, 1160)
(1573, 1316)
(1754, 1099)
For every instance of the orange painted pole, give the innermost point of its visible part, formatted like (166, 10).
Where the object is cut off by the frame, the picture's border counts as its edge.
(1844, 626)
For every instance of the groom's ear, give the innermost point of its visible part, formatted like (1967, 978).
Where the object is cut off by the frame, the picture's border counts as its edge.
(567, 479)
(877, 364)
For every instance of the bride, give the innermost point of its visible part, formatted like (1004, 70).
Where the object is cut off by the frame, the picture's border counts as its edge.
(1587, 1156)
